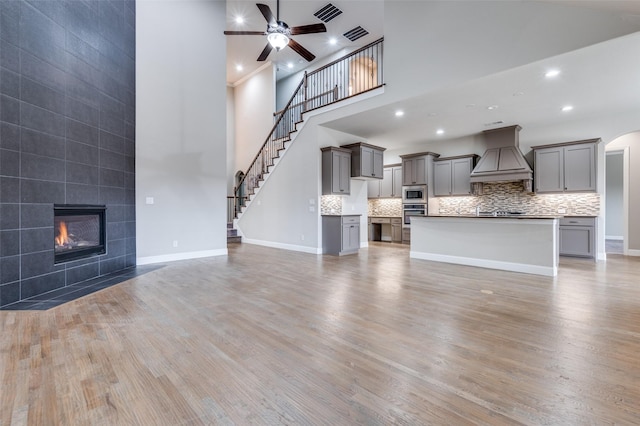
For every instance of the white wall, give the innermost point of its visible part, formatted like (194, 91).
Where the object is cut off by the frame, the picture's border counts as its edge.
(254, 107)
(280, 215)
(231, 140)
(431, 45)
(614, 225)
(180, 129)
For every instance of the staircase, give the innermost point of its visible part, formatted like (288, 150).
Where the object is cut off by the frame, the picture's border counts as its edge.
(354, 74)
(232, 234)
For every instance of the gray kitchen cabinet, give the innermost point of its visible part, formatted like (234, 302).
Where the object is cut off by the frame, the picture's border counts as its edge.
(390, 186)
(336, 171)
(451, 176)
(366, 160)
(417, 169)
(406, 235)
(578, 236)
(566, 167)
(340, 234)
(396, 230)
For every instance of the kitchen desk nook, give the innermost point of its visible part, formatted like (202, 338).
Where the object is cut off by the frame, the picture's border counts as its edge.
(526, 244)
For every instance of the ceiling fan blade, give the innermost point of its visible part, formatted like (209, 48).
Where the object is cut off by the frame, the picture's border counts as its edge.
(266, 12)
(309, 29)
(265, 52)
(245, 33)
(301, 50)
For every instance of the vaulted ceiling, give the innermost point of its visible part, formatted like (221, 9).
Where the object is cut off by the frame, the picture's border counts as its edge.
(597, 80)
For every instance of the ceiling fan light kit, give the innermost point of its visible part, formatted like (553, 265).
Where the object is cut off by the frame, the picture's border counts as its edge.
(279, 34)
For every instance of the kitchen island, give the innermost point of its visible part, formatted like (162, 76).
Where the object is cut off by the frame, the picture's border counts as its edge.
(526, 244)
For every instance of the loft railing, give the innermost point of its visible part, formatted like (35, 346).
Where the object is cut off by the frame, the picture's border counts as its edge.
(351, 75)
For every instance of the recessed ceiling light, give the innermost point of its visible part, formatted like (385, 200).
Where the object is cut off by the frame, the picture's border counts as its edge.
(289, 65)
(552, 73)
(567, 108)
(239, 68)
(333, 40)
(440, 132)
(239, 19)
(399, 113)
(492, 107)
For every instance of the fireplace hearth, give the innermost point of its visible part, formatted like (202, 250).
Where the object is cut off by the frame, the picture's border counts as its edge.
(79, 232)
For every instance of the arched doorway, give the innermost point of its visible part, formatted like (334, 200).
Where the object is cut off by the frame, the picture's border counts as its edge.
(628, 146)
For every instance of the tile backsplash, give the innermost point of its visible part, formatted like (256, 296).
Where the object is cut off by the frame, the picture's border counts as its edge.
(510, 196)
(385, 207)
(331, 204)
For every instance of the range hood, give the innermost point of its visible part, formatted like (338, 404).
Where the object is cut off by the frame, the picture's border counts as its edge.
(503, 161)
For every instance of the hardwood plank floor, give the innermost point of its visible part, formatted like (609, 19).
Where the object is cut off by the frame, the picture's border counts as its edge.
(267, 336)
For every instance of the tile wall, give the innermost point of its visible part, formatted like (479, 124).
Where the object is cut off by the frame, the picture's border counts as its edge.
(510, 196)
(67, 135)
(331, 205)
(390, 207)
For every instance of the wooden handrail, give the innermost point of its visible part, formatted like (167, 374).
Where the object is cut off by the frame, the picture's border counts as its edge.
(334, 90)
(273, 129)
(355, 52)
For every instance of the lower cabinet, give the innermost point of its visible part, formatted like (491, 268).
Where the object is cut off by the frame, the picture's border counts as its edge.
(406, 235)
(396, 230)
(385, 229)
(340, 234)
(578, 236)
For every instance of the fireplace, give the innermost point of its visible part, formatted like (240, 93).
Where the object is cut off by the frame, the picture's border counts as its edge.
(79, 231)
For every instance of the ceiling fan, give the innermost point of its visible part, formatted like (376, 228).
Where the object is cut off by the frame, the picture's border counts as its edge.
(279, 33)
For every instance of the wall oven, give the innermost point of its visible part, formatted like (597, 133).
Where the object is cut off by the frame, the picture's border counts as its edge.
(410, 210)
(415, 194)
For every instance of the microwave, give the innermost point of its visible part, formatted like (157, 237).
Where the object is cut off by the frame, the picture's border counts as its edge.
(415, 194)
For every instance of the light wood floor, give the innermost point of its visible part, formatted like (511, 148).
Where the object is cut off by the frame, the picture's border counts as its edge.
(266, 336)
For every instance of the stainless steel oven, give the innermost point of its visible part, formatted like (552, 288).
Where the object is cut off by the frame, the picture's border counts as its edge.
(410, 210)
(415, 194)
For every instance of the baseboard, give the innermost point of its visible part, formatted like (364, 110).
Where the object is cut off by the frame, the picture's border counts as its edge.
(364, 244)
(292, 247)
(614, 237)
(180, 256)
(490, 264)
(633, 252)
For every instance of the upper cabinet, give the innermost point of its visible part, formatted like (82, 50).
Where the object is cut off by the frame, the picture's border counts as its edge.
(336, 171)
(366, 160)
(566, 167)
(451, 175)
(390, 186)
(417, 169)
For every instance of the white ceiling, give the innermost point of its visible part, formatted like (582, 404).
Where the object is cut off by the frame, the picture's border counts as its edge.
(597, 80)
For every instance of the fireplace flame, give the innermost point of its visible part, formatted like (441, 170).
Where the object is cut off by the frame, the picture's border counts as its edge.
(63, 235)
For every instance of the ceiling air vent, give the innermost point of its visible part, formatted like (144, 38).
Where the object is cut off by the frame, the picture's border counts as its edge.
(356, 33)
(327, 13)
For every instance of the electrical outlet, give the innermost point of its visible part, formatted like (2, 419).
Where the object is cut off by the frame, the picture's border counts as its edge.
(302, 237)
(175, 243)
(149, 200)
(312, 209)
(562, 211)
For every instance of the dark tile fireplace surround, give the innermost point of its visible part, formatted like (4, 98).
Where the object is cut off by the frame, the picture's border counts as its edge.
(67, 137)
